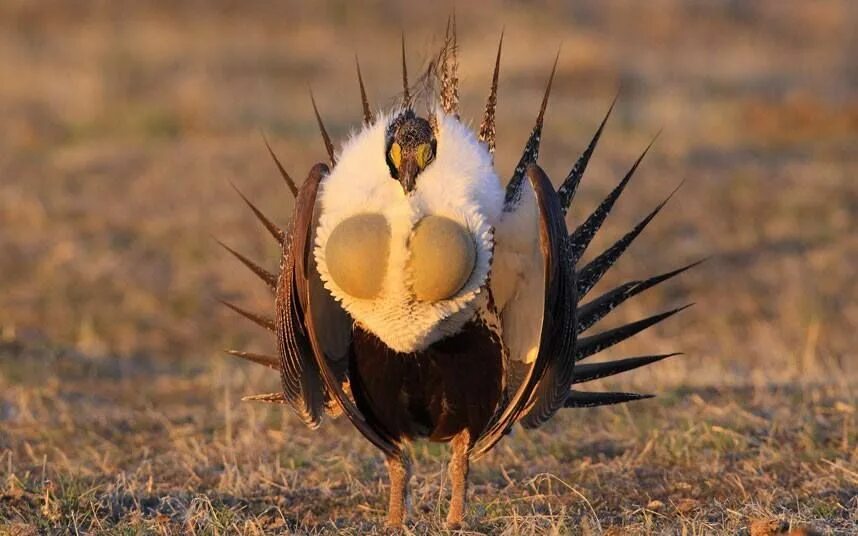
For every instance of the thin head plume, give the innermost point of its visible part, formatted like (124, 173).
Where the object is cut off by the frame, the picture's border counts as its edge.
(329, 147)
(487, 127)
(449, 63)
(406, 93)
(286, 178)
(367, 112)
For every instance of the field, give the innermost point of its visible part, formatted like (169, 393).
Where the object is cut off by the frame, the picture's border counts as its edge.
(124, 123)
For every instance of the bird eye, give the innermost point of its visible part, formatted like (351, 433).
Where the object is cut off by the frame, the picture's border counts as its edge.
(425, 154)
(395, 154)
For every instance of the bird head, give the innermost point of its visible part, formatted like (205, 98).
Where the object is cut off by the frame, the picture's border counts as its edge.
(410, 146)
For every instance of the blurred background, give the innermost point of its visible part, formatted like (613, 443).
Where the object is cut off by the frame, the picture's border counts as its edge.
(122, 124)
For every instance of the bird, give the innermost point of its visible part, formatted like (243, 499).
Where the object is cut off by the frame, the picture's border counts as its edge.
(421, 298)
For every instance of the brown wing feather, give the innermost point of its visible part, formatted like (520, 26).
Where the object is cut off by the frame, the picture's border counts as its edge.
(327, 374)
(299, 373)
(539, 391)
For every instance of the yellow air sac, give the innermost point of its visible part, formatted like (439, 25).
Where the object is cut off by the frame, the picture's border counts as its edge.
(356, 254)
(443, 256)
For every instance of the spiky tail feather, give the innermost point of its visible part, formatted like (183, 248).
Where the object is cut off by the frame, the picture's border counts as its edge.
(588, 276)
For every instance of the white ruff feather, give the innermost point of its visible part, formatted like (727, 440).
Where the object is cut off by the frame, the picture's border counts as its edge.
(459, 184)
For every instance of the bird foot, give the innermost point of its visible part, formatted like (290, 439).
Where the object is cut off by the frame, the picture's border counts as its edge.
(455, 524)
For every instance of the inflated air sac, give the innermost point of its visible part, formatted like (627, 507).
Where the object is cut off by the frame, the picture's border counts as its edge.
(443, 255)
(357, 252)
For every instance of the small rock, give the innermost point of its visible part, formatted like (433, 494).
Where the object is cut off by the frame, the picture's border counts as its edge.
(685, 506)
(655, 505)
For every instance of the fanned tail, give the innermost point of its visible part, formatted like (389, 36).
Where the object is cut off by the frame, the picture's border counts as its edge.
(588, 314)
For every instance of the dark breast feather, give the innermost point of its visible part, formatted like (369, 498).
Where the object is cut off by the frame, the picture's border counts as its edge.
(453, 385)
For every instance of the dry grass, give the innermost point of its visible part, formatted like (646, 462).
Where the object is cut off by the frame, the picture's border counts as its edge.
(179, 453)
(122, 124)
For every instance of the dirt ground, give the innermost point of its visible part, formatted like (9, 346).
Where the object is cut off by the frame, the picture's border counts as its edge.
(122, 124)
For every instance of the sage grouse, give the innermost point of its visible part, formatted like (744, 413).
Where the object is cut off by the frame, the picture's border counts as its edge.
(422, 299)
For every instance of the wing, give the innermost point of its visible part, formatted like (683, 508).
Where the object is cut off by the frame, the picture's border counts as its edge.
(306, 351)
(300, 376)
(523, 276)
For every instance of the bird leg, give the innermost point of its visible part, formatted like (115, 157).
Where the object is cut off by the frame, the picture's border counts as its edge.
(399, 469)
(459, 478)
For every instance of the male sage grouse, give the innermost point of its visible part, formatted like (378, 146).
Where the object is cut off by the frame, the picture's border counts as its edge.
(421, 298)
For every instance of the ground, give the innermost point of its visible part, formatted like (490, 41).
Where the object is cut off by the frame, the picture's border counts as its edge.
(123, 125)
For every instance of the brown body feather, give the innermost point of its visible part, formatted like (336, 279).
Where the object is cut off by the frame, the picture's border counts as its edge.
(452, 386)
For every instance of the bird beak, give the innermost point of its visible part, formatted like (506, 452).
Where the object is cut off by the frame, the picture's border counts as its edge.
(408, 171)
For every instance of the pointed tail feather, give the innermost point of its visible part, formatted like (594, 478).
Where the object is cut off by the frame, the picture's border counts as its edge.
(593, 311)
(588, 346)
(593, 272)
(275, 231)
(570, 184)
(594, 371)
(487, 127)
(286, 178)
(367, 112)
(531, 148)
(406, 91)
(580, 239)
(263, 274)
(269, 398)
(329, 147)
(581, 399)
(259, 320)
(449, 70)
(266, 360)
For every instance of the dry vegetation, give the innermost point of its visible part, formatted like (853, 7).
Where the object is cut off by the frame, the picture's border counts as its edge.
(122, 125)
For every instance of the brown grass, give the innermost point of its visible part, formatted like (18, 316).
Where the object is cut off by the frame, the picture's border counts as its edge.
(122, 125)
